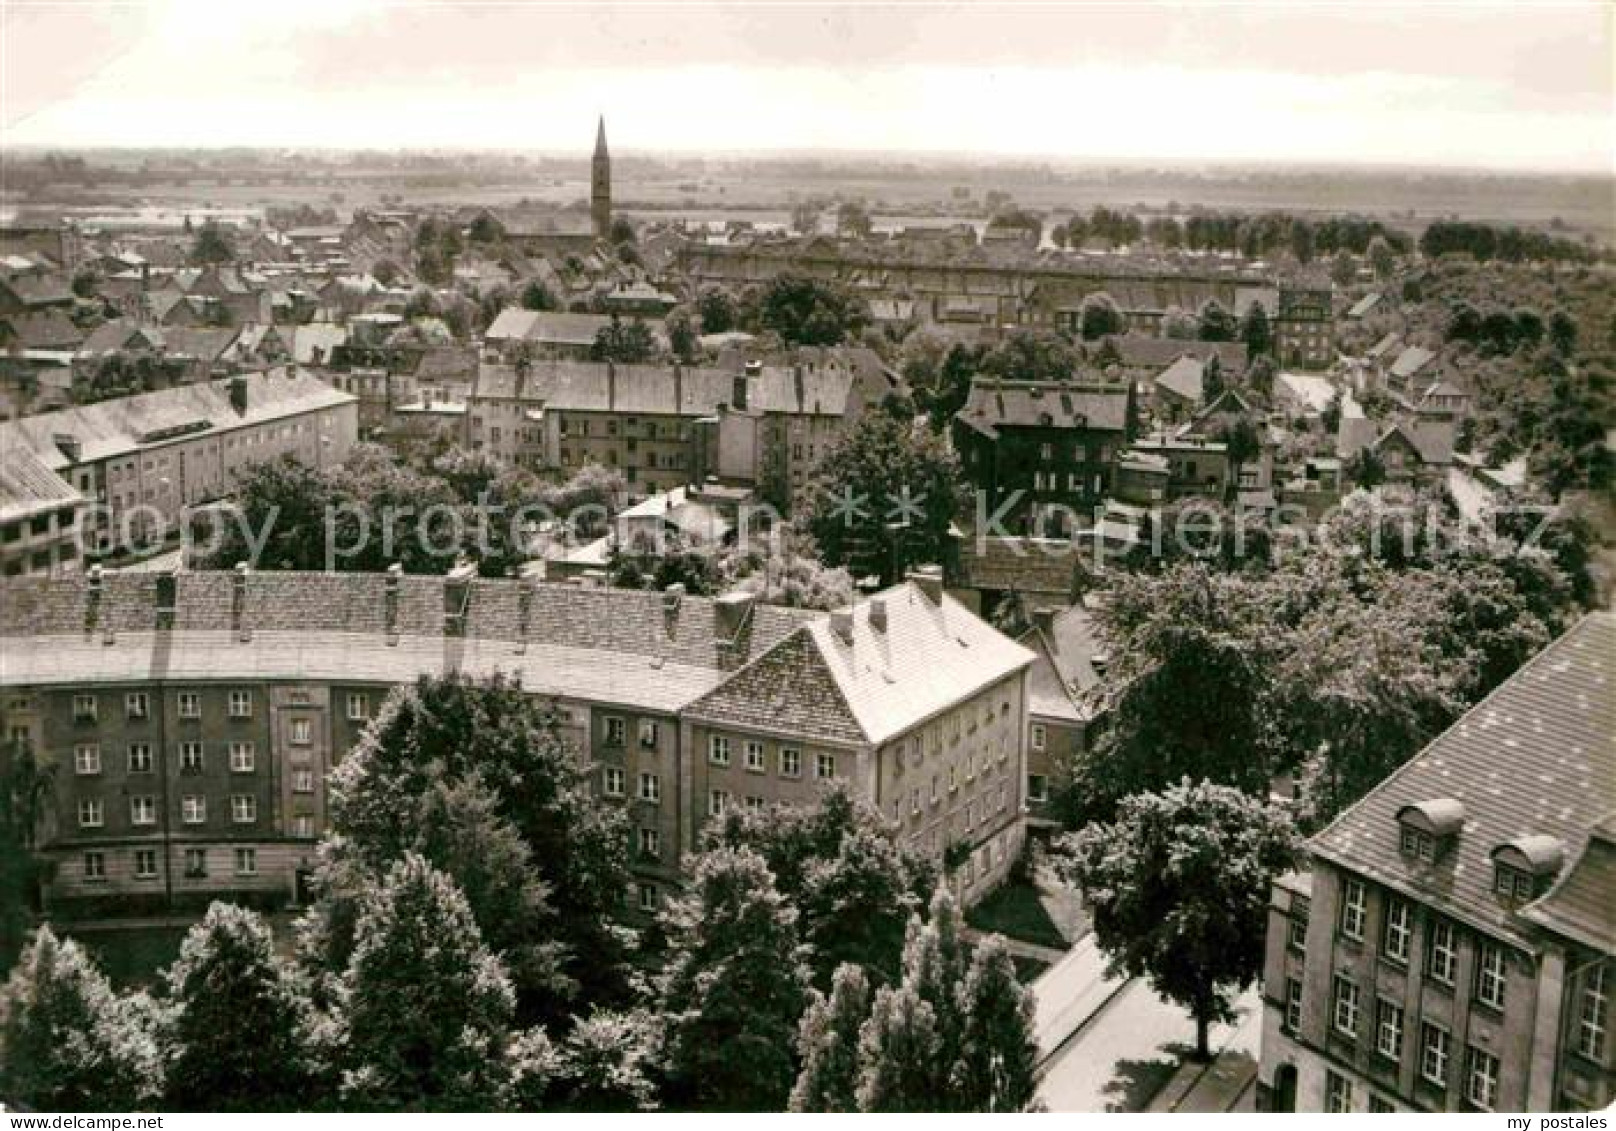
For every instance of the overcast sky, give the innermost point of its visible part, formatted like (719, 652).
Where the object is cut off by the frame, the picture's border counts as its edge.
(1456, 84)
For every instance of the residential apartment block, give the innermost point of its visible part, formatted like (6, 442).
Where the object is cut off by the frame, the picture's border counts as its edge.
(1454, 947)
(190, 719)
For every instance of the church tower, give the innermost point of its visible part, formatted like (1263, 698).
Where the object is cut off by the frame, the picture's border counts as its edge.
(600, 185)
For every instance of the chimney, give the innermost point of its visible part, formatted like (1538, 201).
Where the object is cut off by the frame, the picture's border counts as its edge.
(457, 598)
(1099, 662)
(238, 393)
(238, 604)
(71, 447)
(841, 624)
(611, 387)
(878, 613)
(394, 573)
(929, 580)
(731, 611)
(672, 596)
(1043, 619)
(739, 397)
(678, 388)
(526, 588)
(167, 599)
(92, 599)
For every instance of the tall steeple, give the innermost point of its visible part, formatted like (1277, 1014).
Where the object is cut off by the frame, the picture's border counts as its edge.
(600, 185)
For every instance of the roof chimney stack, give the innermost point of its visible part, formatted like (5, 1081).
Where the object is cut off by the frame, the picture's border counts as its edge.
(732, 611)
(395, 573)
(238, 604)
(841, 625)
(238, 393)
(457, 598)
(878, 613)
(929, 580)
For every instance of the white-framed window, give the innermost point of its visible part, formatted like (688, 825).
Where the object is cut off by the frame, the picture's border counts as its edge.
(1346, 1005)
(650, 733)
(754, 802)
(611, 782)
(302, 825)
(302, 732)
(650, 843)
(1434, 1042)
(246, 861)
(92, 814)
(614, 730)
(1398, 929)
(95, 866)
(87, 758)
(358, 706)
(754, 756)
(137, 705)
(1442, 955)
(140, 758)
(1337, 1092)
(914, 802)
(1039, 736)
(189, 705)
(1490, 965)
(196, 862)
(194, 809)
(649, 898)
(1513, 884)
(143, 810)
(242, 757)
(718, 749)
(302, 781)
(790, 762)
(717, 802)
(84, 707)
(243, 808)
(824, 766)
(241, 704)
(1354, 902)
(191, 757)
(1293, 1004)
(1037, 788)
(1389, 1029)
(1592, 1013)
(650, 787)
(1481, 1078)
(145, 864)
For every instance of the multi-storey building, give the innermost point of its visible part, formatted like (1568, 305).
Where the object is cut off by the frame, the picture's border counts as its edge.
(1304, 328)
(189, 720)
(1042, 451)
(39, 516)
(1062, 703)
(146, 459)
(1453, 948)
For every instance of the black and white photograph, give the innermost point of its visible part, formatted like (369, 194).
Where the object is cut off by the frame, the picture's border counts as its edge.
(806, 557)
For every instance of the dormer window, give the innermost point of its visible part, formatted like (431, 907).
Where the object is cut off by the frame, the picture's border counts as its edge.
(1525, 866)
(1428, 829)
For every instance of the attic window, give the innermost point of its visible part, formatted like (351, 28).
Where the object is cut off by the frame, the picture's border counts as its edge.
(1523, 867)
(1428, 829)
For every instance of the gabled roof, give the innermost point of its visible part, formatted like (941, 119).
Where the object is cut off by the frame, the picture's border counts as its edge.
(49, 290)
(995, 404)
(1183, 378)
(1411, 361)
(45, 329)
(1364, 305)
(28, 486)
(1579, 906)
(1140, 351)
(1537, 757)
(1384, 346)
(1064, 670)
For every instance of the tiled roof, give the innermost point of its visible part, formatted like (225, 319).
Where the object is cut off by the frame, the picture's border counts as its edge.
(1536, 757)
(1064, 670)
(1138, 351)
(995, 404)
(1582, 904)
(27, 486)
(788, 690)
(1021, 565)
(46, 329)
(1183, 378)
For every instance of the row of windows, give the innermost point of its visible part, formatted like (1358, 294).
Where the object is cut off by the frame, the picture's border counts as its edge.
(188, 705)
(755, 759)
(94, 866)
(193, 809)
(1442, 943)
(1436, 1043)
(988, 805)
(87, 759)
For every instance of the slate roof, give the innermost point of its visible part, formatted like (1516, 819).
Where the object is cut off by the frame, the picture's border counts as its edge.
(1064, 670)
(1536, 757)
(1139, 351)
(28, 486)
(1022, 565)
(1580, 905)
(1183, 378)
(995, 404)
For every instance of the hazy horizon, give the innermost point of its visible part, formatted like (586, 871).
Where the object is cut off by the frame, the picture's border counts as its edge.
(1481, 88)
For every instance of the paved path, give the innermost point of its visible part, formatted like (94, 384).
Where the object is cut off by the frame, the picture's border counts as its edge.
(1069, 993)
(1048, 955)
(1226, 1084)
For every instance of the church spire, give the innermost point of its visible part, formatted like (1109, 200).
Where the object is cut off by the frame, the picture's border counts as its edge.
(600, 185)
(600, 137)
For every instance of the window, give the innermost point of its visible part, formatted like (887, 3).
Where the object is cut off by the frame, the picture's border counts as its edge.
(824, 765)
(1037, 788)
(91, 814)
(650, 843)
(1513, 884)
(612, 782)
(190, 705)
(1389, 1029)
(650, 787)
(648, 734)
(1337, 1092)
(1490, 976)
(358, 706)
(1293, 1004)
(84, 707)
(196, 862)
(1442, 956)
(143, 810)
(717, 802)
(1300, 910)
(243, 808)
(718, 750)
(241, 704)
(87, 758)
(95, 866)
(145, 864)
(190, 757)
(648, 897)
(754, 756)
(136, 705)
(1039, 737)
(1397, 930)
(1346, 1006)
(790, 762)
(1379, 1105)
(1591, 1014)
(302, 781)
(614, 731)
(140, 759)
(1418, 845)
(1481, 1078)
(1434, 1054)
(301, 732)
(246, 861)
(241, 757)
(1354, 897)
(193, 809)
